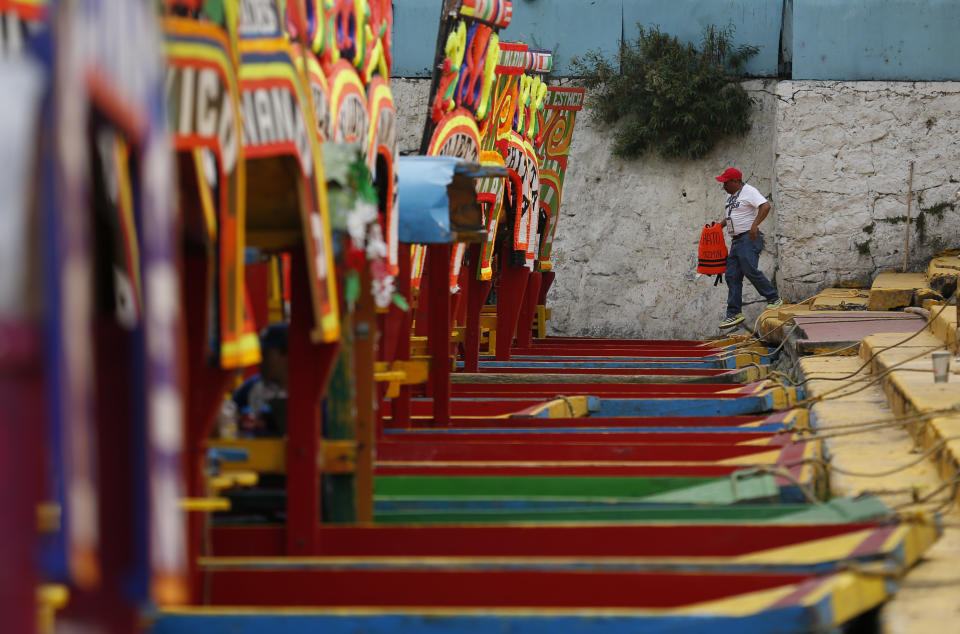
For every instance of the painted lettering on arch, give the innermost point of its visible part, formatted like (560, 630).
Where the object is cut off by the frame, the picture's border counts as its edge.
(271, 117)
(259, 18)
(199, 106)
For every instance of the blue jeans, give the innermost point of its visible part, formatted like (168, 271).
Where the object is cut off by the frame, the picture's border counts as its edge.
(742, 261)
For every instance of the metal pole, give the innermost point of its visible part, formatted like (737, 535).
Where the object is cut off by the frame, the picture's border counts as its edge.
(906, 250)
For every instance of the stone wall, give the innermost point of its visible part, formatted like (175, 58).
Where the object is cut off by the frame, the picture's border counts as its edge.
(842, 171)
(410, 98)
(626, 245)
(832, 157)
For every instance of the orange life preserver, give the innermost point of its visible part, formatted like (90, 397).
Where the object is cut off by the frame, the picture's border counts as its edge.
(712, 254)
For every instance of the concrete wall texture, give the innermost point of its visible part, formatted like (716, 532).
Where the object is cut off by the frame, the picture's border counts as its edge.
(832, 157)
(625, 251)
(842, 171)
(826, 39)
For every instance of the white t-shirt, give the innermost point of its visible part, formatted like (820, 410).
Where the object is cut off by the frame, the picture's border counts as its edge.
(741, 209)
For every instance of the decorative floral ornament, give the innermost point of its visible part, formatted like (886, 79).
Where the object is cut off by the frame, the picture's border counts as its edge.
(538, 92)
(354, 206)
(489, 76)
(455, 50)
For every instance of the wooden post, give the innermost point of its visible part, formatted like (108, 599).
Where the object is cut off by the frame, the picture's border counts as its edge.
(21, 458)
(906, 249)
(110, 606)
(401, 404)
(257, 278)
(528, 309)
(205, 386)
(121, 481)
(462, 298)
(422, 310)
(310, 365)
(479, 289)
(513, 282)
(438, 261)
(546, 281)
(365, 335)
(340, 424)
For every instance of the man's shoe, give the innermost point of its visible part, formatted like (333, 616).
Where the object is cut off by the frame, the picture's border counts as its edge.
(775, 304)
(730, 322)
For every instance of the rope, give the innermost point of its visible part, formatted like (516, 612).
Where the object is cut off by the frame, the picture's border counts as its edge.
(869, 382)
(879, 474)
(783, 472)
(859, 430)
(756, 323)
(899, 343)
(817, 377)
(899, 419)
(786, 338)
(952, 482)
(754, 352)
(835, 351)
(755, 337)
(810, 299)
(569, 402)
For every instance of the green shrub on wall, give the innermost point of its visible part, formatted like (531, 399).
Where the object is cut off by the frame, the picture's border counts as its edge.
(675, 98)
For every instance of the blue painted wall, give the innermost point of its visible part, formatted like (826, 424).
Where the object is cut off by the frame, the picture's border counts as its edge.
(755, 22)
(415, 24)
(573, 27)
(876, 39)
(831, 39)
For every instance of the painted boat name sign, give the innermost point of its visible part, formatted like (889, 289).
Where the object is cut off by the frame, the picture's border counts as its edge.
(271, 115)
(258, 18)
(202, 109)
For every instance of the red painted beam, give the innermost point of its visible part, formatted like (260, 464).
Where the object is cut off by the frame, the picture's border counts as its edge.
(528, 310)
(106, 605)
(438, 342)
(510, 290)
(557, 540)
(541, 389)
(535, 365)
(459, 301)
(647, 438)
(550, 395)
(704, 470)
(491, 407)
(481, 588)
(476, 298)
(556, 352)
(205, 386)
(709, 372)
(696, 470)
(22, 466)
(309, 370)
(546, 281)
(624, 421)
(548, 450)
(401, 404)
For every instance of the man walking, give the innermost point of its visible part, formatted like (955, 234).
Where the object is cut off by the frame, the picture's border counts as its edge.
(745, 209)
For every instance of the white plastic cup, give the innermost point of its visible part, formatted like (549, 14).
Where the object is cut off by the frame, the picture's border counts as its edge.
(941, 366)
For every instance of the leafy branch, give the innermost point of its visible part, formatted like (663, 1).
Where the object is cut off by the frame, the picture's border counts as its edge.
(673, 97)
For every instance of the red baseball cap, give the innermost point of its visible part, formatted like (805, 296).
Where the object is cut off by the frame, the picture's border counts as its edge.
(730, 174)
